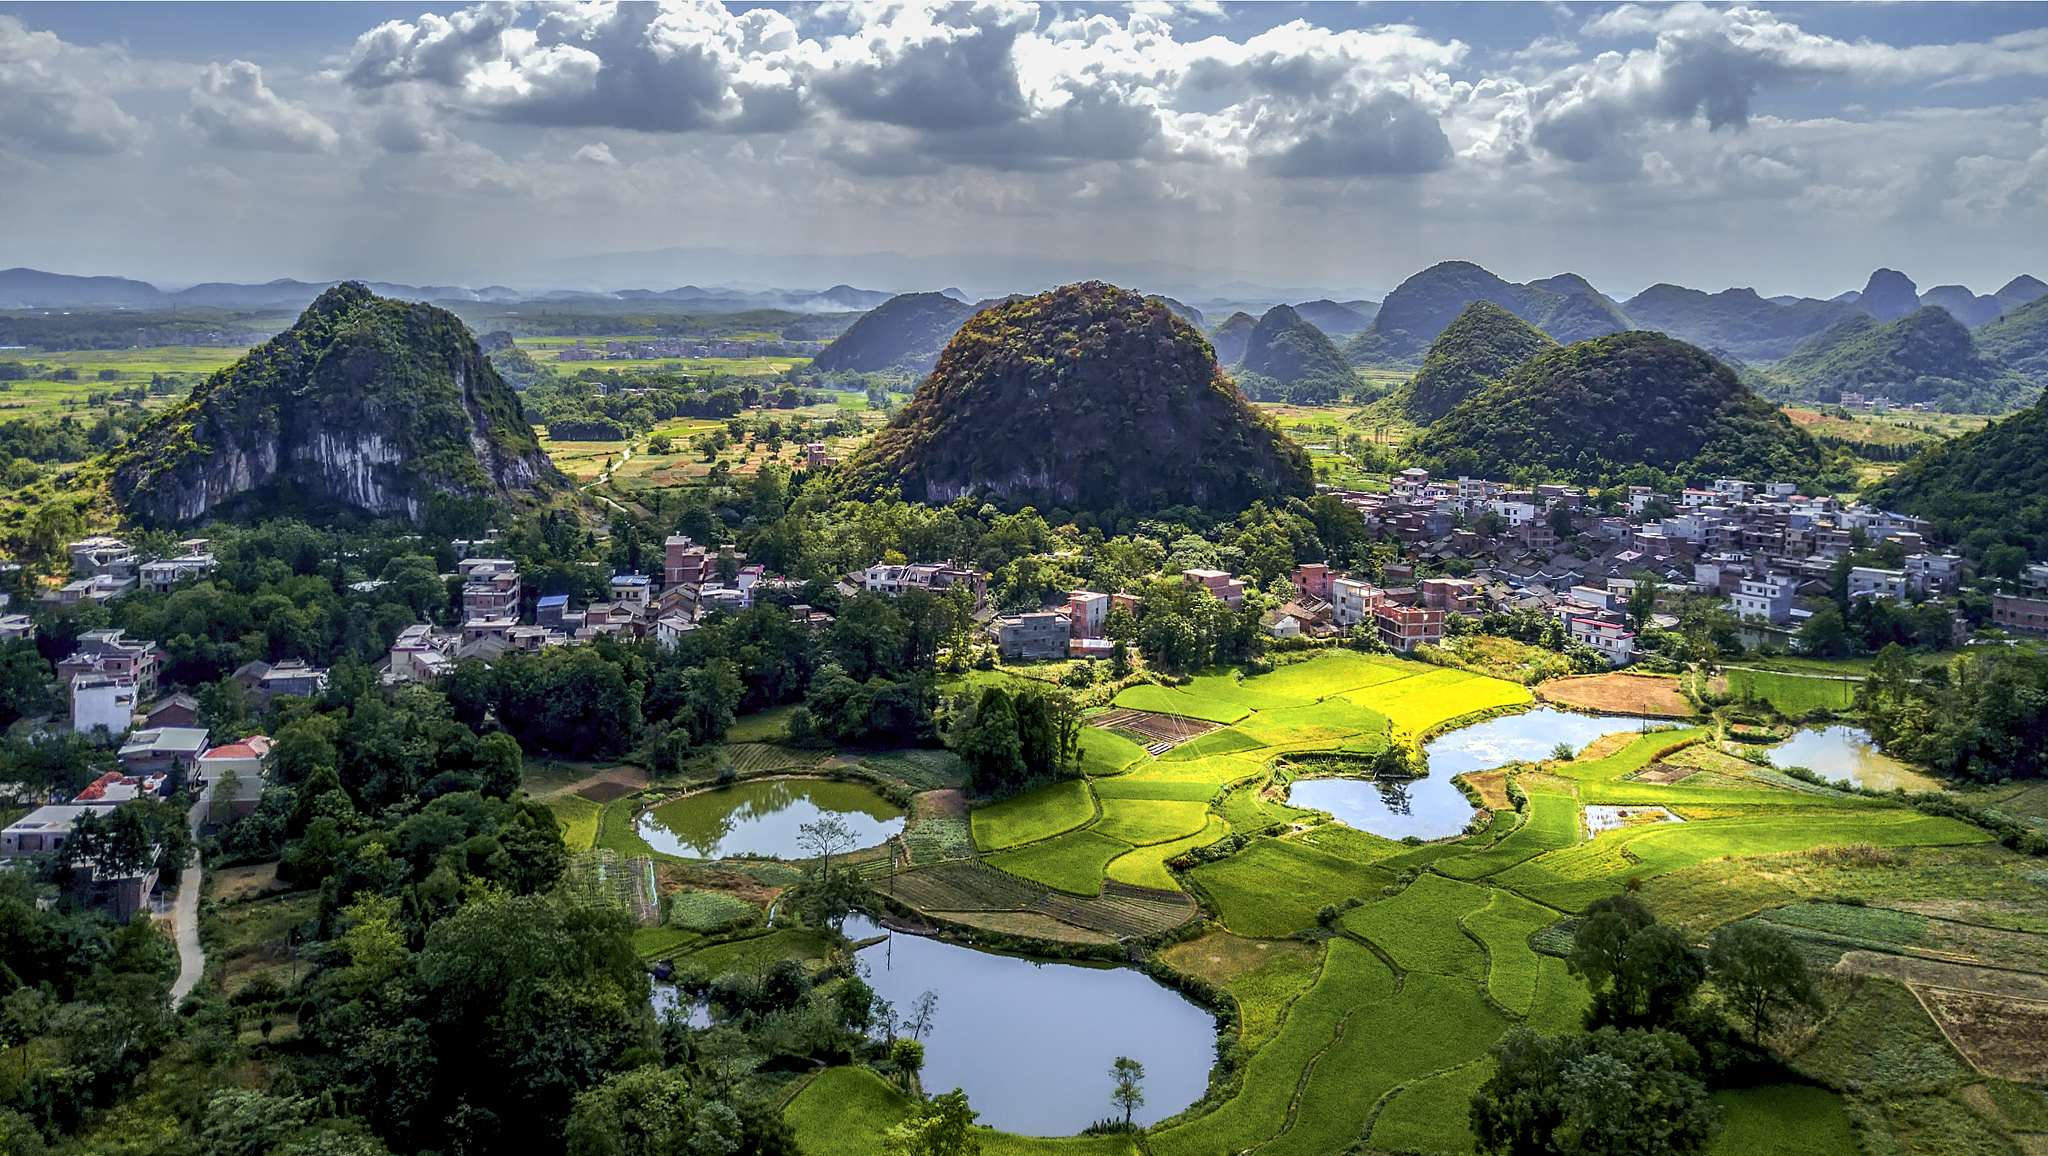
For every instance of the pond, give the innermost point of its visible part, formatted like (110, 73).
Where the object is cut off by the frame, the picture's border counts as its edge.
(761, 818)
(1842, 752)
(1032, 1041)
(1432, 807)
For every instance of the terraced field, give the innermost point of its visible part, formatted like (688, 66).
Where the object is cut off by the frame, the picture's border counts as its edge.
(1372, 1029)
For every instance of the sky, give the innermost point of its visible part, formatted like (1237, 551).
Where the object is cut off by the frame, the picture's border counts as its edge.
(997, 146)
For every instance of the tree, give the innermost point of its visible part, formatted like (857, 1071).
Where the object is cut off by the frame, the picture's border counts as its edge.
(1560, 521)
(500, 765)
(941, 1126)
(1607, 1093)
(1129, 1092)
(26, 684)
(986, 739)
(921, 1014)
(1642, 600)
(1760, 971)
(1643, 973)
(908, 1056)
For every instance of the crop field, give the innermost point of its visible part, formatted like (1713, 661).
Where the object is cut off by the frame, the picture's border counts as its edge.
(1105, 753)
(1027, 818)
(1146, 866)
(1620, 694)
(579, 818)
(1783, 1120)
(1073, 862)
(1167, 700)
(1430, 1114)
(1336, 1045)
(1793, 694)
(1274, 887)
(844, 1111)
(1143, 822)
(1419, 929)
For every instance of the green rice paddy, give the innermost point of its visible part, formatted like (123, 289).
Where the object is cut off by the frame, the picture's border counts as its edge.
(1793, 694)
(1374, 1035)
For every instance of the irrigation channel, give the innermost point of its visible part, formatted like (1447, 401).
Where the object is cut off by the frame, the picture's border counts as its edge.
(763, 817)
(1432, 807)
(1845, 752)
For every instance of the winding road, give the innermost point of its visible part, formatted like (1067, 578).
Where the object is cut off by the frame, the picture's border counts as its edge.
(185, 912)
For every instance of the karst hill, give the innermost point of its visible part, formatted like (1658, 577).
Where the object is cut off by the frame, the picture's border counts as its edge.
(1593, 410)
(1085, 397)
(365, 402)
(1476, 350)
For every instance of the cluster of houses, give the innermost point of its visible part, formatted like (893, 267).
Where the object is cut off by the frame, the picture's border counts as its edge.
(168, 752)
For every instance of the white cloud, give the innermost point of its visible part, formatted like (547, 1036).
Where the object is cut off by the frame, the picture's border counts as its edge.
(52, 95)
(233, 108)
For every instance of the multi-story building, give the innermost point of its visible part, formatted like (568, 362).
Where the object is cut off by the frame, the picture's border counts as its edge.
(163, 750)
(1936, 573)
(1404, 628)
(1617, 643)
(1352, 601)
(111, 652)
(1042, 634)
(103, 700)
(232, 777)
(1876, 582)
(1218, 583)
(1087, 611)
(490, 593)
(1769, 597)
(2020, 614)
(164, 573)
(684, 562)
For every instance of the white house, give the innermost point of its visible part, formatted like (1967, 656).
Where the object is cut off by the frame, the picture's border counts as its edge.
(1768, 598)
(1617, 643)
(233, 777)
(103, 700)
(1873, 582)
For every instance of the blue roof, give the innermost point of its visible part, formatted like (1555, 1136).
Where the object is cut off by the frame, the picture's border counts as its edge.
(554, 600)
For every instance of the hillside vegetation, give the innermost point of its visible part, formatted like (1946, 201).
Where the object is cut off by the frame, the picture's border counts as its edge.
(1422, 306)
(365, 402)
(1598, 409)
(902, 335)
(1085, 396)
(1735, 322)
(1475, 351)
(2019, 339)
(1230, 338)
(1288, 359)
(1989, 485)
(1924, 356)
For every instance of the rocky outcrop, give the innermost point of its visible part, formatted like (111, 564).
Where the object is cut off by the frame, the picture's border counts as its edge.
(365, 402)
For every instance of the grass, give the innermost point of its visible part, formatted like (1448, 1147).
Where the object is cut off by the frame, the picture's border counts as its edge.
(1073, 863)
(1221, 742)
(766, 726)
(1793, 694)
(1273, 888)
(1172, 790)
(1106, 752)
(1639, 753)
(1032, 816)
(1783, 1120)
(1165, 700)
(661, 942)
(1146, 866)
(1419, 928)
(755, 953)
(579, 817)
(845, 1110)
(1561, 999)
(1143, 822)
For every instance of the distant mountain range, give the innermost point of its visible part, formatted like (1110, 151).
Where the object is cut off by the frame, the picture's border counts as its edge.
(34, 289)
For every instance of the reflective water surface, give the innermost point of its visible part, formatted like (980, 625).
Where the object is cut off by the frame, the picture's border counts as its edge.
(1032, 1042)
(1842, 752)
(762, 817)
(1433, 807)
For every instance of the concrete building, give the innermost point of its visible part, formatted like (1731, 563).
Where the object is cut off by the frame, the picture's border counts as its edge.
(1936, 573)
(1403, 628)
(2019, 614)
(1039, 635)
(13, 626)
(421, 654)
(684, 562)
(111, 652)
(1218, 583)
(165, 573)
(163, 750)
(632, 589)
(233, 775)
(1352, 601)
(1087, 611)
(1768, 598)
(1875, 582)
(1617, 643)
(103, 700)
(552, 611)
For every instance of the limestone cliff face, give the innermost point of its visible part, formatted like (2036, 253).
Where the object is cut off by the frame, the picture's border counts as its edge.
(364, 402)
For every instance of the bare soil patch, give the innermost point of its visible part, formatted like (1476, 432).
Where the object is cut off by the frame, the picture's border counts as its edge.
(1619, 694)
(938, 805)
(1606, 745)
(673, 877)
(1492, 787)
(1220, 957)
(244, 882)
(604, 792)
(1160, 728)
(1028, 923)
(1665, 774)
(2007, 1038)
